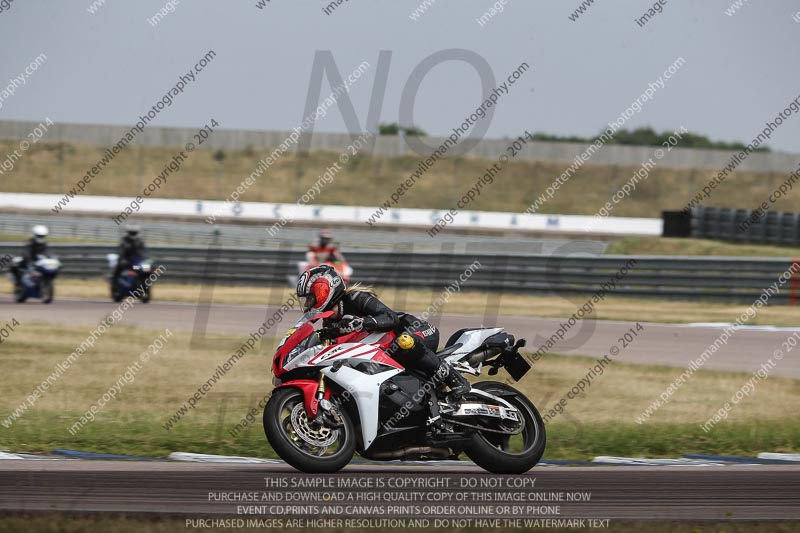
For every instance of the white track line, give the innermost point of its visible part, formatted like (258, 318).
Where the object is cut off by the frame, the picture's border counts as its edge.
(627, 461)
(207, 458)
(789, 457)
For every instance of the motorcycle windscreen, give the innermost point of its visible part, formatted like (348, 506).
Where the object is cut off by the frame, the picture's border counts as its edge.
(300, 332)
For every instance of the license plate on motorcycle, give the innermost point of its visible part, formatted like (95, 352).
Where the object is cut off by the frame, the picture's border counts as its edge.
(516, 365)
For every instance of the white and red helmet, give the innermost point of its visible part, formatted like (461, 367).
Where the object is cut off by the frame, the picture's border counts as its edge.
(322, 287)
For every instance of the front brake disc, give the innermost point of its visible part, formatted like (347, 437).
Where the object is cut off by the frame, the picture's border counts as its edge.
(320, 437)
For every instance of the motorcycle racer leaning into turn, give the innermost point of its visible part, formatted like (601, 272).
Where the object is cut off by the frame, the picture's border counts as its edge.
(357, 308)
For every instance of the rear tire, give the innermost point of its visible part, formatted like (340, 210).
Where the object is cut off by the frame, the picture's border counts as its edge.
(487, 451)
(292, 448)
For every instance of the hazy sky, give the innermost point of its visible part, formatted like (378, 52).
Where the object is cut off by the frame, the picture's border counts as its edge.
(111, 66)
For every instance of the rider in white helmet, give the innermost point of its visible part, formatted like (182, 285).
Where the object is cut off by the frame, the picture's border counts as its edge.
(34, 247)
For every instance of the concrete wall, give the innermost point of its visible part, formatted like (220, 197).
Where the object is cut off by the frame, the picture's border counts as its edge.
(564, 153)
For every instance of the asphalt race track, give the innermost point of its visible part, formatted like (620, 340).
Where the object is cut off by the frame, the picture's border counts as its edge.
(444, 491)
(739, 492)
(664, 344)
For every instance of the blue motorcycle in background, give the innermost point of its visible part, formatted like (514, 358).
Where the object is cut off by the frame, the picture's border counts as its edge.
(37, 280)
(131, 279)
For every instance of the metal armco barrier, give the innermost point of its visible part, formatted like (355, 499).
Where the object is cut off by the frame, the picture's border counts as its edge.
(773, 227)
(667, 278)
(184, 233)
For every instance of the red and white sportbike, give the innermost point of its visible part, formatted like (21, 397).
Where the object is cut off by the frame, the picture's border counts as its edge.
(340, 394)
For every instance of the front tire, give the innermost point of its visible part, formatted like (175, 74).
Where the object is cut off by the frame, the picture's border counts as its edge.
(19, 293)
(47, 290)
(285, 425)
(116, 294)
(145, 293)
(494, 452)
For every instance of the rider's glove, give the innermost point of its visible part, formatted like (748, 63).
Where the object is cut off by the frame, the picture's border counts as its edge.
(370, 323)
(350, 324)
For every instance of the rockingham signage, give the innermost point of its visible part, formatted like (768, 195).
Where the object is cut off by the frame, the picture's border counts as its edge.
(328, 214)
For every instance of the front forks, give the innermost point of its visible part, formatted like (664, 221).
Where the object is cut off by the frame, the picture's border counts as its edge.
(328, 413)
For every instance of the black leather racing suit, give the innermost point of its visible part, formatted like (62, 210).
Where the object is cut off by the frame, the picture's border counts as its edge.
(381, 318)
(33, 249)
(131, 250)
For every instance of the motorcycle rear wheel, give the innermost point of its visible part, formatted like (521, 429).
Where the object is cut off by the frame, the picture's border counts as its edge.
(285, 438)
(493, 451)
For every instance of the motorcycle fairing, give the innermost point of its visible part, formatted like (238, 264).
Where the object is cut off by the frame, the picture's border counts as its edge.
(49, 265)
(301, 331)
(296, 336)
(30, 278)
(470, 341)
(367, 384)
(365, 390)
(309, 388)
(341, 363)
(353, 350)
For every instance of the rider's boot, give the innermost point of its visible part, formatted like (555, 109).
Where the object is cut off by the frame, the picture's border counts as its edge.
(458, 384)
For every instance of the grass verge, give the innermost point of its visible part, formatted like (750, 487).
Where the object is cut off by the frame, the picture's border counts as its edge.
(697, 247)
(598, 422)
(202, 177)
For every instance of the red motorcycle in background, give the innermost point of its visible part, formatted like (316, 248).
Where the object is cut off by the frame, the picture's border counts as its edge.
(326, 252)
(340, 394)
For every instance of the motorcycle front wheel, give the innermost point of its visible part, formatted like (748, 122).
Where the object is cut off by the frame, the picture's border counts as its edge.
(509, 454)
(47, 290)
(116, 294)
(301, 444)
(19, 293)
(145, 290)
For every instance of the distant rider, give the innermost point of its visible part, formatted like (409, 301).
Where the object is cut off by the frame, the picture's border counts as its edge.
(324, 251)
(34, 247)
(357, 308)
(131, 250)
